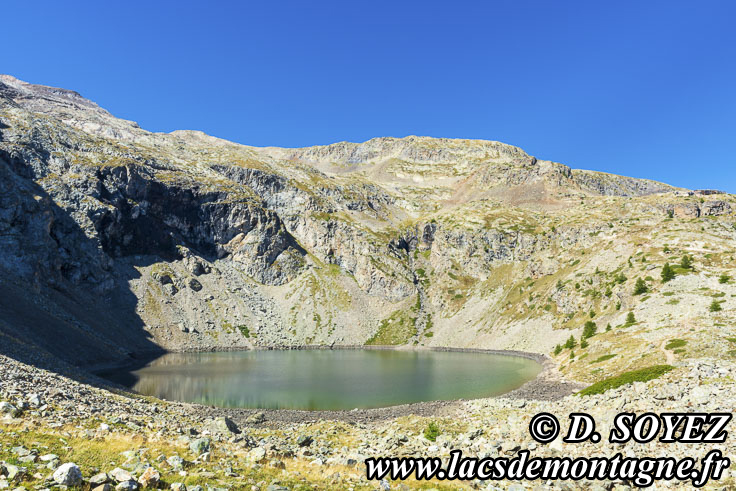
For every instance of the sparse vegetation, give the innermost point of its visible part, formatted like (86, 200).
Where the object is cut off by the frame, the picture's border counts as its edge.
(675, 343)
(602, 358)
(641, 375)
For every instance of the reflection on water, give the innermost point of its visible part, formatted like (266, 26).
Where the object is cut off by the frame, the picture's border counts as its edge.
(322, 379)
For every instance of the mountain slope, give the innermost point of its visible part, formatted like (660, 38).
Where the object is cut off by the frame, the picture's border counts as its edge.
(136, 241)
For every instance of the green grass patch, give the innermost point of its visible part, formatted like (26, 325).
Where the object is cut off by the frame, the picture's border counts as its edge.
(397, 329)
(675, 343)
(603, 358)
(641, 375)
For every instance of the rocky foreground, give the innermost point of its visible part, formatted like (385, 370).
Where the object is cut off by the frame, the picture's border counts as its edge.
(57, 433)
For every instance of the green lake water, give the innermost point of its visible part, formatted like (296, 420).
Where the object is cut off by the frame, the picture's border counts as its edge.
(327, 379)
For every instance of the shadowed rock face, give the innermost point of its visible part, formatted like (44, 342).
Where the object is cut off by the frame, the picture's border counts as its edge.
(184, 240)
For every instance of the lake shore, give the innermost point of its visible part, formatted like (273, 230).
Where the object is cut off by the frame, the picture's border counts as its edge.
(281, 448)
(548, 385)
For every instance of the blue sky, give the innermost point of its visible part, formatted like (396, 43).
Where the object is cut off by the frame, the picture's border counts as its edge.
(646, 89)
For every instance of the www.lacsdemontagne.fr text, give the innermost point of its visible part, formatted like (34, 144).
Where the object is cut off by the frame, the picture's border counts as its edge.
(642, 472)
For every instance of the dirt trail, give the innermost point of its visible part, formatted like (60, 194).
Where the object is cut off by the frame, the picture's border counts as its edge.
(668, 354)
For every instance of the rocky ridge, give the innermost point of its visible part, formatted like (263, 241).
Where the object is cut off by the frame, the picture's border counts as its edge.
(146, 241)
(124, 242)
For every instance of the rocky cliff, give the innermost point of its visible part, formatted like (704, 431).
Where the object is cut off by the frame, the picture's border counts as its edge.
(119, 241)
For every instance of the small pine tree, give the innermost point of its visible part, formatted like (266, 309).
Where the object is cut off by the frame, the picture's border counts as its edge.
(630, 319)
(572, 355)
(640, 287)
(608, 327)
(618, 306)
(670, 213)
(558, 349)
(715, 306)
(687, 262)
(570, 343)
(620, 278)
(589, 329)
(584, 343)
(667, 273)
(432, 431)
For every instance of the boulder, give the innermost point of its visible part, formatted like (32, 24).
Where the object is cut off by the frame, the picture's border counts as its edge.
(130, 485)
(99, 479)
(68, 475)
(200, 446)
(13, 472)
(257, 454)
(149, 479)
(195, 285)
(7, 408)
(176, 462)
(120, 475)
(223, 425)
(256, 418)
(304, 440)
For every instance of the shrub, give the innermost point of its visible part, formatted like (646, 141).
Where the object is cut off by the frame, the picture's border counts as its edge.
(724, 278)
(602, 358)
(675, 343)
(572, 355)
(670, 213)
(244, 331)
(667, 273)
(630, 319)
(583, 343)
(620, 278)
(640, 287)
(715, 306)
(589, 329)
(641, 375)
(687, 262)
(432, 431)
